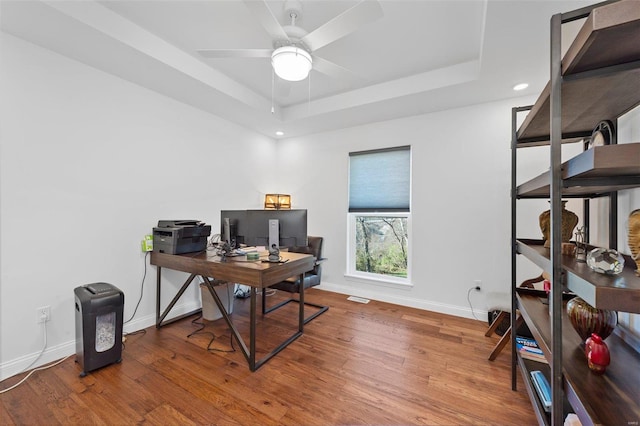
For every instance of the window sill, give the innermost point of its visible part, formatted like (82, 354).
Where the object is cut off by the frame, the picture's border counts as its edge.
(382, 282)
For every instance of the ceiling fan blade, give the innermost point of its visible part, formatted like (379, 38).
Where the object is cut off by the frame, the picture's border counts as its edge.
(261, 10)
(347, 22)
(236, 53)
(336, 71)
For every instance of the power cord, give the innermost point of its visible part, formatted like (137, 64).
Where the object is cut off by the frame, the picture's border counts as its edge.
(141, 287)
(34, 361)
(133, 333)
(213, 336)
(469, 300)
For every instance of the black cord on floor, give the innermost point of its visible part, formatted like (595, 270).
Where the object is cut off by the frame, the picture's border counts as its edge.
(213, 337)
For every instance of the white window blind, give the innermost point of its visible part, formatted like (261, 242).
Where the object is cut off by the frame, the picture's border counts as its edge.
(379, 180)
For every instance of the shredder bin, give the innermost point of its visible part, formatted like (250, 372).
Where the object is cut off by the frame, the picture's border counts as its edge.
(99, 319)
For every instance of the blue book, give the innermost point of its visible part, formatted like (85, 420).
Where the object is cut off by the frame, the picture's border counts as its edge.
(529, 349)
(541, 384)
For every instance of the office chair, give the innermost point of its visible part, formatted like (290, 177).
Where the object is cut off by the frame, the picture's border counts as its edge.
(311, 278)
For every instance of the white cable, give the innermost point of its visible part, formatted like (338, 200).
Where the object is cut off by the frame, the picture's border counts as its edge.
(44, 323)
(471, 306)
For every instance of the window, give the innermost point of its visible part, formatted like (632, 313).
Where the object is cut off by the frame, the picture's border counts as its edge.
(379, 214)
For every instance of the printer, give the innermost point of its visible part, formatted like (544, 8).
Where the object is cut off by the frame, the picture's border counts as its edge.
(180, 236)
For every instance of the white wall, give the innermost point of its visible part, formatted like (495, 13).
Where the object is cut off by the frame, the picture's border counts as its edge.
(460, 203)
(88, 164)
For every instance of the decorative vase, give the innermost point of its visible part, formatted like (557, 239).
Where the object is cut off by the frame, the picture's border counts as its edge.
(597, 352)
(634, 238)
(569, 221)
(587, 320)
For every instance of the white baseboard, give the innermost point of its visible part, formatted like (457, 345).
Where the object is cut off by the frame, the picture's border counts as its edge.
(443, 308)
(18, 365)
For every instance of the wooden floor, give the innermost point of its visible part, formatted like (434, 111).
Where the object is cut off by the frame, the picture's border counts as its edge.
(357, 364)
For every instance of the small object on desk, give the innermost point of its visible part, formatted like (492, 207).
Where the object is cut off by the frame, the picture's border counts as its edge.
(253, 256)
(275, 261)
(274, 253)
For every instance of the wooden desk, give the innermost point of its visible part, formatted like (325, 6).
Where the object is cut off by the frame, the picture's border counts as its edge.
(256, 274)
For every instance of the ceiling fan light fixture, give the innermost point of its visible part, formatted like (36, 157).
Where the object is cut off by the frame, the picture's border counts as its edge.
(291, 63)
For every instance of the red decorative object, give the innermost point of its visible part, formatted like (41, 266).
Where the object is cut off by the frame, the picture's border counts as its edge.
(597, 354)
(586, 319)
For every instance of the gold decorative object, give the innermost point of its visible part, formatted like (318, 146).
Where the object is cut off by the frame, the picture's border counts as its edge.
(569, 221)
(277, 202)
(634, 238)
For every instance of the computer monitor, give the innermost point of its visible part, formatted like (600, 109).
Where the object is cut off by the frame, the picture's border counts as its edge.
(233, 227)
(287, 227)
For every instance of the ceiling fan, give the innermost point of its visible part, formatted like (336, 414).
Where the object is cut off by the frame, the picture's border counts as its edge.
(292, 55)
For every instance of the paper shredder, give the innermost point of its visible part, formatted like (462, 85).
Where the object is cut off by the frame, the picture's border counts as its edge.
(99, 318)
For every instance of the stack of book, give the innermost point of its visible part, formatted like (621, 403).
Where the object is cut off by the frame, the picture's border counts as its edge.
(528, 349)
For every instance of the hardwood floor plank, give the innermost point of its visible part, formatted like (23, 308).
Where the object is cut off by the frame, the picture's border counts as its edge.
(356, 364)
(167, 415)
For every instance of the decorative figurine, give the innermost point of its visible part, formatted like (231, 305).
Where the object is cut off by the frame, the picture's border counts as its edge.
(569, 221)
(597, 352)
(274, 253)
(581, 245)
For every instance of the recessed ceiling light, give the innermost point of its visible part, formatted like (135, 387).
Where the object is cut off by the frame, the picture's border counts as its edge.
(279, 133)
(520, 86)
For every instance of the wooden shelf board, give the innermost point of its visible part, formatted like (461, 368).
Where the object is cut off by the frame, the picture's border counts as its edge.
(614, 395)
(608, 38)
(617, 292)
(594, 172)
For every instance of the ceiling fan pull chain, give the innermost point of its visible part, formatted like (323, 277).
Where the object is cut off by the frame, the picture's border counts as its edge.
(273, 110)
(309, 96)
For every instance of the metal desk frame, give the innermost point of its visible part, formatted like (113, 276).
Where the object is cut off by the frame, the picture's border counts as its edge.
(254, 274)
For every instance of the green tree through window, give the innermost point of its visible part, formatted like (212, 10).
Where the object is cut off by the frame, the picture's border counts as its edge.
(381, 245)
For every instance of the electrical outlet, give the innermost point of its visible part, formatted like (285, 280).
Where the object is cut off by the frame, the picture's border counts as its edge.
(477, 285)
(147, 243)
(43, 314)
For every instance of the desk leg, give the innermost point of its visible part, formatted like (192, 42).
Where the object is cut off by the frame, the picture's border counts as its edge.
(158, 279)
(252, 331)
(250, 352)
(301, 313)
(161, 318)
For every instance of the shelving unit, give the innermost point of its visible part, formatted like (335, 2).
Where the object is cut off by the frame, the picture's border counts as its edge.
(598, 79)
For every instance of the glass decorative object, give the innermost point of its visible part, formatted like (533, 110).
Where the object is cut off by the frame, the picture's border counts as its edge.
(586, 319)
(605, 261)
(581, 245)
(597, 352)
